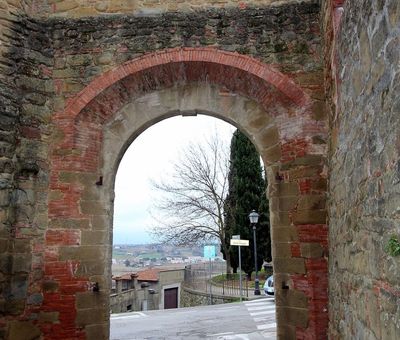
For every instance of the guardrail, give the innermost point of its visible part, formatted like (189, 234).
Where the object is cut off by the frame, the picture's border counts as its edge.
(202, 278)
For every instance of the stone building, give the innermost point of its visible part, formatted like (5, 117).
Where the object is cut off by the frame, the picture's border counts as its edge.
(149, 289)
(313, 83)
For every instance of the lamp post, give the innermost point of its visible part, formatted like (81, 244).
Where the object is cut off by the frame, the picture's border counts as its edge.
(253, 216)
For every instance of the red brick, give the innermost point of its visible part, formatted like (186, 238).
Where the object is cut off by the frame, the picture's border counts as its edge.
(313, 233)
(232, 60)
(295, 249)
(63, 237)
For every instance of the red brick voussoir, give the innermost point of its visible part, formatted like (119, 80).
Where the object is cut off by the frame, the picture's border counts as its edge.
(179, 55)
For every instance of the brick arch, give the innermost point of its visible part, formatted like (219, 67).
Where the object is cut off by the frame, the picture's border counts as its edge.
(284, 130)
(234, 61)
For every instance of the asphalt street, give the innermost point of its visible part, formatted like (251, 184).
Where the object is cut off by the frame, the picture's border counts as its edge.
(249, 320)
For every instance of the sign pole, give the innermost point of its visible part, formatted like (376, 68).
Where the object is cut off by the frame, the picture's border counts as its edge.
(209, 253)
(240, 274)
(236, 241)
(211, 302)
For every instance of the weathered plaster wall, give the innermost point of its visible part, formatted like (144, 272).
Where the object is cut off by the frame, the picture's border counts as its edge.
(364, 286)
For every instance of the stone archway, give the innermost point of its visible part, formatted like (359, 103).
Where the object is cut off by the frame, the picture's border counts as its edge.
(99, 123)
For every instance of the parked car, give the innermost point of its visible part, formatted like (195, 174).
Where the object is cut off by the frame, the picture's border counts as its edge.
(269, 286)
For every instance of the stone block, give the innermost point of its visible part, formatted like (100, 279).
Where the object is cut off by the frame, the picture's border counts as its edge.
(19, 286)
(272, 155)
(319, 185)
(268, 137)
(22, 263)
(105, 58)
(49, 317)
(379, 37)
(287, 203)
(283, 189)
(90, 300)
(70, 223)
(311, 202)
(304, 172)
(310, 78)
(280, 249)
(284, 234)
(309, 217)
(3, 245)
(93, 207)
(93, 267)
(66, 73)
(393, 9)
(286, 332)
(101, 222)
(289, 265)
(5, 263)
(291, 298)
(95, 237)
(293, 316)
(307, 160)
(311, 250)
(22, 330)
(14, 306)
(390, 329)
(279, 219)
(319, 110)
(5, 197)
(82, 253)
(79, 59)
(99, 331)
(22, 246)
(90, 316)
(365, 51)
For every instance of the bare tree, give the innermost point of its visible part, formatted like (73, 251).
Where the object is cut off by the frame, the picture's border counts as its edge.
(192, 197)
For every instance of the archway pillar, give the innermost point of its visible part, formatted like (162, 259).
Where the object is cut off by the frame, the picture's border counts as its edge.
(297, 192)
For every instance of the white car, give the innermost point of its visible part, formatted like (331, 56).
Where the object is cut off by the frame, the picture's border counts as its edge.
(269, 286)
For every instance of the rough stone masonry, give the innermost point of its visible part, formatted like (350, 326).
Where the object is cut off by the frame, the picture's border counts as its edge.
(313, 83)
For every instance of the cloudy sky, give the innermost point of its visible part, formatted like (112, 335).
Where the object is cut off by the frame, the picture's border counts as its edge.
(149, 156)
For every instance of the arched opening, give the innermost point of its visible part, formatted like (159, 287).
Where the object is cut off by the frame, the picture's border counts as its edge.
(101, 122)
(136, 298)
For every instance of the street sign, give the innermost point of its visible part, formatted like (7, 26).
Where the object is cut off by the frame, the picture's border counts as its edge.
(236, 241)
(209, 252)
(239, 242)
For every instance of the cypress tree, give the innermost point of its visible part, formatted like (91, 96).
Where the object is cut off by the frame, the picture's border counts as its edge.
(247, 191)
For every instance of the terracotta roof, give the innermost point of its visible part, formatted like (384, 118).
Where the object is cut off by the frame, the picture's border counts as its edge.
(127, 276)
(148, 275)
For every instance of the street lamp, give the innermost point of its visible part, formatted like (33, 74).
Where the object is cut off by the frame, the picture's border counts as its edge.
(253, 216)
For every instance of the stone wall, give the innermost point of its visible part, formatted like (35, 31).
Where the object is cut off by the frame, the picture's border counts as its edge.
(25, 87)
(192, 298)
(58, 244)
(134, 298)
(85, 8)
(286, 37)
(364, 286)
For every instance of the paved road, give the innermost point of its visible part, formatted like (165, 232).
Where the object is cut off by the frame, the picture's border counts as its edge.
(250, 320)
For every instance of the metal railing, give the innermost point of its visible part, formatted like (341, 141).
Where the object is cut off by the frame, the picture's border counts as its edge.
(211, 278)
